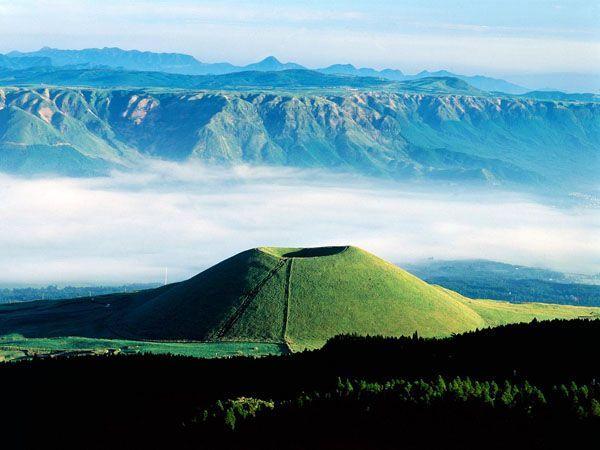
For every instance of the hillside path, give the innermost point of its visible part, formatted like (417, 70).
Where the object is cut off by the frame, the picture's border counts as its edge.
(246, 300)
(287, 293)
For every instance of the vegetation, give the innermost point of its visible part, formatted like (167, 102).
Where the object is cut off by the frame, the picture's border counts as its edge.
(524, 291)
(16, 347)
(286, 296)
(356, 292)
(523, 385)
(495, 312)
(366, 414)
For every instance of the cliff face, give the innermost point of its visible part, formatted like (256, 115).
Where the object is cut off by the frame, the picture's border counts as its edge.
(394, 135)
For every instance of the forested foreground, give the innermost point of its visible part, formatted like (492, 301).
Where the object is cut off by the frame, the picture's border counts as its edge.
(447, 413)
(532, 385)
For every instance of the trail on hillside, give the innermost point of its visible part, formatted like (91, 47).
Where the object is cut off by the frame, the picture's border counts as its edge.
(286, 301)
(246, 301)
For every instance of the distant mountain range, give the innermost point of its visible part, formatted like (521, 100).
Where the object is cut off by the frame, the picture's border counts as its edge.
(24, 62)
(567, 81)
(500, 281)
(288, 79)
(284, 79)
(86, 112)
(183, 64)
(396, 135)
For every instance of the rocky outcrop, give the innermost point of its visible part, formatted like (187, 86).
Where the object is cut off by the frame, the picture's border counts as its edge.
(393, 135)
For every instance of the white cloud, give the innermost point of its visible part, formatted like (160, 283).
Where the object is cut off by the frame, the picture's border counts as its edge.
(128, 227)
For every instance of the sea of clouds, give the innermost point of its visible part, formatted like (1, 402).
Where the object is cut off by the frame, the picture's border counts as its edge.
(128, 227)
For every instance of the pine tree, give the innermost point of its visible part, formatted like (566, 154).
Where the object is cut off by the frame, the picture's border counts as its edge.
(230, 420)
(441, 385)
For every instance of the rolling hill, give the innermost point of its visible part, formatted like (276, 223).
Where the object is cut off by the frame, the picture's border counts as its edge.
(480, 82)
(501, 281)
(292, 78)
(292, 296)
(561, 96)
(104, 77)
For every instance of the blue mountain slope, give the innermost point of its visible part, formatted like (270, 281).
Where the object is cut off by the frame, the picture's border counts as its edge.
(398, 135)
(272, 64)
(16, 63)
(107, 77)
(188, 65)
(128, 59)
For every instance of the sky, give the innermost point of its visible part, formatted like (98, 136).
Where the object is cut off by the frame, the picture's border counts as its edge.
(470, 36)
(129, 227)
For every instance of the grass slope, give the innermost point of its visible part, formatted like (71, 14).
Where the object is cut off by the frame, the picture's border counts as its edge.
(496, 312)
(201, 307)
(292, 296)
(356, 292)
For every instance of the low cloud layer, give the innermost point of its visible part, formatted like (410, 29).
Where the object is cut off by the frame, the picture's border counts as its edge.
(129, 227)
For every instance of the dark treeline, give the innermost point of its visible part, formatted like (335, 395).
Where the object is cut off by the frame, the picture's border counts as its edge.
(459, 412)
(155, 401)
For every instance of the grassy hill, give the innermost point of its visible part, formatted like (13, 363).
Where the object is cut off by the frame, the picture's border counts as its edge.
(291, 296)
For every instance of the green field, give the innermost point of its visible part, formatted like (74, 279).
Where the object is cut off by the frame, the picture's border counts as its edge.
(14, 347)
(496, 312)
(284, 298)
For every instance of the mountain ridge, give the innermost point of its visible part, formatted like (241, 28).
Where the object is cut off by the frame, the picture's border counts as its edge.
(188, 65)
(385, 134)
(516, 283)
(181, 63)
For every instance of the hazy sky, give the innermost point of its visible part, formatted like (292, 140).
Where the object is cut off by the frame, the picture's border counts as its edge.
(127, 228)
(494, 37)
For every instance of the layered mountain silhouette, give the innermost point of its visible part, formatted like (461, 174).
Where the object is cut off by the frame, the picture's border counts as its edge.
(87, 112)
(179, 63)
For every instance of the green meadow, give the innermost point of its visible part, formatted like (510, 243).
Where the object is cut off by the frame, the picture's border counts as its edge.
(14, 347)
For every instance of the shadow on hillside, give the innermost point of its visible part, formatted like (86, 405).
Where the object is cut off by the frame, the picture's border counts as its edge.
(314, 252)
